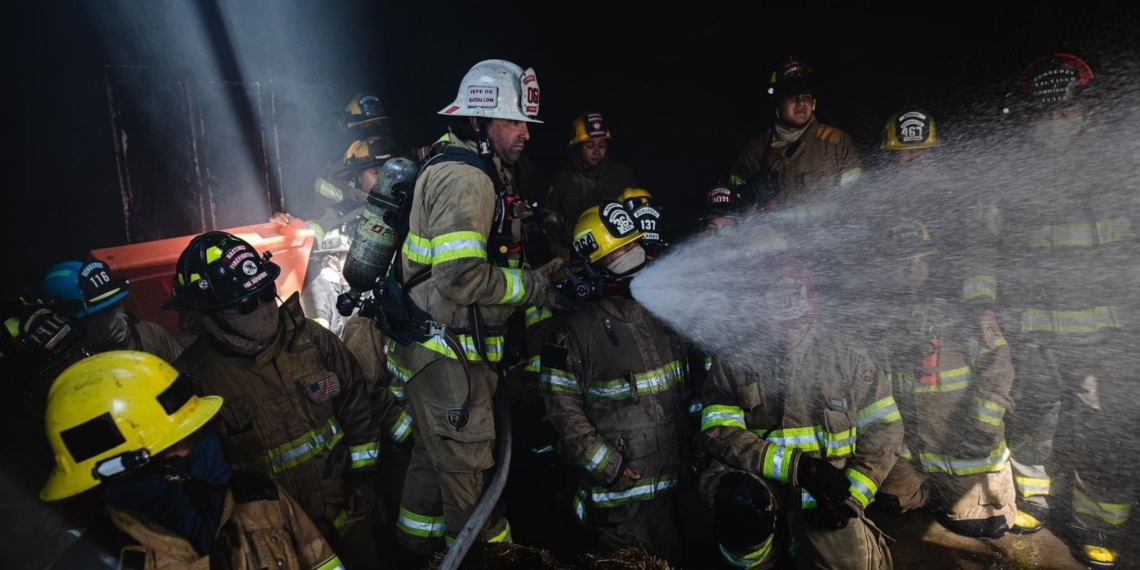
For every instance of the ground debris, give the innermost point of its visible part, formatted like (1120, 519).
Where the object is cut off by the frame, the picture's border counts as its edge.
(508, 556)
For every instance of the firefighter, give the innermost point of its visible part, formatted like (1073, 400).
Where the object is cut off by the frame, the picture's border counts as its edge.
(647, 215)
(90, 293)
(319, 298)
(590, 178)
(799, 442)
(798, 155)
(358, 171)
(129, 424)
(367, 343)
(721, 209)
(297, 405)
(363, 119)
(952, 390)
(465, 270)
(1066, 285)
(613, 380)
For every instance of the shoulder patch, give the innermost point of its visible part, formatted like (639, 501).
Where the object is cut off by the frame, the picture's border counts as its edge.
(866, 372)
(249, 487)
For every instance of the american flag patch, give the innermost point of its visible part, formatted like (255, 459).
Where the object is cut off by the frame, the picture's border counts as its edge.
(325, 388)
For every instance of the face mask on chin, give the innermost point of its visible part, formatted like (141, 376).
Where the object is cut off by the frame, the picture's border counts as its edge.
(110, 328)
(247, 334)
(627, 264)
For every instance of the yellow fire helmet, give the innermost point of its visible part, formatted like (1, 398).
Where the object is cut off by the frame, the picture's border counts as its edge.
(603, 229)
(636, 195)
(908, 240)
(362, 110)
(910, 129)
(588, 126)
(113, 412)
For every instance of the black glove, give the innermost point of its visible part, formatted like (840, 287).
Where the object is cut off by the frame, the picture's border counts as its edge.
(827, 483)
(360, 494)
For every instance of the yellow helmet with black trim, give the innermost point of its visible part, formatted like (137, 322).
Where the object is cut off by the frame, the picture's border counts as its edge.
(113, 412)
(588, 126)
(363, 109)
(602, 230)
(910, 129)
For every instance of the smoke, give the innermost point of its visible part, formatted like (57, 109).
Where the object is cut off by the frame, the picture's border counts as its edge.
(227, 110)
(993, 178)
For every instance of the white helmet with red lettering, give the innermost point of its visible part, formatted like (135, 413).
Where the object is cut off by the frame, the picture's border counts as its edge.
(497, 89)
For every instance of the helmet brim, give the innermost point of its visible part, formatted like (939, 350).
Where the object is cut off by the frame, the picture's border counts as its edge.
(61, 485)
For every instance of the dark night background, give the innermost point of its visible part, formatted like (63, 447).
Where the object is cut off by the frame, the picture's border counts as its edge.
(683, 89)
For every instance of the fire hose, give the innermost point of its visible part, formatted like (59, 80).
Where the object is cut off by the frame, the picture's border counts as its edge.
(491, 494)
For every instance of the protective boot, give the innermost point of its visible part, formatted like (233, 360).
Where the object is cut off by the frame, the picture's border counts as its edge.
(1030, 518)
(990, 528)
(744, 521)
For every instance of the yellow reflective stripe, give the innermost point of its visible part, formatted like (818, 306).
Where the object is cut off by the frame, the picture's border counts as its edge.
(993, 463)
(321, 321)
(13, 326)
(736, 180)
(750, 560)
(213, 253)
(850, 177)
(777, 464)
(814, 438)
(979, 287)
(317, 229)
(343, 523)
(648, 382)
(400, 372)
(904, 452)
(417, 249)
(1031, 487)
(328, 190)
(98, 298)
(364, 455)
(885, 411)
(330, 564)
(948, 381)
(598, 457)
(401, 429)
(504, 536)
(398, 391)
(1101, 232)
(458, 245)
(579, 504)
(534, 364)
(296, 452)
(988, 412)
(555, 380)
(492, 344)
(722, 416)
(1115, 514)
(991, 218)
(535, 315)
(1117, 229)
(862, 487)
(422, 526)
(644, 489)
(806, 500)
(1072, 322)
(515, 287)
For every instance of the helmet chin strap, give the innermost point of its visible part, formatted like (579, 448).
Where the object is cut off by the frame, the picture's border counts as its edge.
(486, 150)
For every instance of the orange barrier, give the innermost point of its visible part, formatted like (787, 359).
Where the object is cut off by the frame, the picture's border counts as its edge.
(150, 266)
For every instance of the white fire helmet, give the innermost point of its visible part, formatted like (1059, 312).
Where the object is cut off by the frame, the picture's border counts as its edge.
(497, 89)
